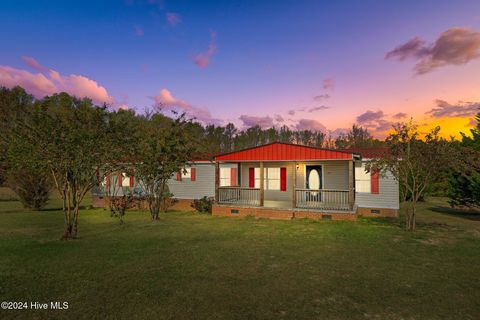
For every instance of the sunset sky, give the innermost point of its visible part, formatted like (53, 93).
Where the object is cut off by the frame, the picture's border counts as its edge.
(320, 65)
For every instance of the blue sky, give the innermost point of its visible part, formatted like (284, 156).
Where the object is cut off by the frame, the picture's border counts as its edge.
(261, 59)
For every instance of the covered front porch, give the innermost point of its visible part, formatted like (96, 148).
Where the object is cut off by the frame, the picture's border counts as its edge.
(286, 177)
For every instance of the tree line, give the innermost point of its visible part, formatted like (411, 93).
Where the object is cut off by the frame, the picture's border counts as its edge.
(72, 145)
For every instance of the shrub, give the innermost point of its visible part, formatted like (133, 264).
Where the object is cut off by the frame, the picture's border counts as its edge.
(203, 205)
(32, 188)
(464, 189)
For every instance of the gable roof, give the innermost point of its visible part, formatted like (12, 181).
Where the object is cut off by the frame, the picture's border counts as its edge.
(279, 151)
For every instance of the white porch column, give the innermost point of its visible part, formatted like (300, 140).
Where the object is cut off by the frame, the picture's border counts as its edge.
(351, 184)
(294, 185)
(217, 181)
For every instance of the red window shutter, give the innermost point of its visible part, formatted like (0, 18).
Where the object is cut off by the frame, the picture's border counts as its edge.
(109, 181)
(193, 174)
(119, 179)
(283, 179)
(374, 181)
(97, 176)
(251, 177)
(132, 181)
(233, 177)
(179, 176)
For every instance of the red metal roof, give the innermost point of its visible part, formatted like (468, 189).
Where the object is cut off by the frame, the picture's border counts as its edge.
(284, 152)
(370, 153)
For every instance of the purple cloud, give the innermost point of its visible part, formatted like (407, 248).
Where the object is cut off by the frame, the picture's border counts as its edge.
(313, 109)
(310, 124)
(165, 101)
(339, 132)
(203, 59)
(455, 46)
(375, 121)
(279, 118)
(252, 121)
(414, 47)
(321, 97)
(328, 83)
(370, 116)
(400, 115)
(461, 109)
(34, 64)
(291, 112)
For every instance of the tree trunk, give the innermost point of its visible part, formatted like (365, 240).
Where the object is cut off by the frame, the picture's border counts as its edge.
(75, 221)
(152, 207)
(66, 230)
(407, 219)
(413, 222)
(67, 211)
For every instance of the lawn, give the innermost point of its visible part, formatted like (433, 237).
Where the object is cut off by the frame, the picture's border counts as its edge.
(193, 266)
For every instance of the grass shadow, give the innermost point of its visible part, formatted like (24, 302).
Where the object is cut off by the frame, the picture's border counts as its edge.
(459, 213)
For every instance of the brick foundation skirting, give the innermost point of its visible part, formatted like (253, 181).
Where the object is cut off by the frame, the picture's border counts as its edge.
(279, 214)
(180, 204)
(377, 212)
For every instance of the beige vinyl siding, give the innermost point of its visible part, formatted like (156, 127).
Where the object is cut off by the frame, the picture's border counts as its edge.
(335, 176)
(204, 184)
(276, 195)
(388, 196)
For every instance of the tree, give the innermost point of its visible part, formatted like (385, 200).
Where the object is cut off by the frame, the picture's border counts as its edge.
(31, 183)
(31, 186)
(357, 137)
(164, 147)
(73, 140)
(415, 163)
(13, 105)
(464, 183)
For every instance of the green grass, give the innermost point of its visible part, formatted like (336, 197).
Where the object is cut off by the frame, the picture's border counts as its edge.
(192, 266)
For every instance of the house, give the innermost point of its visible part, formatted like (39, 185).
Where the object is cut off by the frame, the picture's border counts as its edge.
(284, 181)
(194, 182)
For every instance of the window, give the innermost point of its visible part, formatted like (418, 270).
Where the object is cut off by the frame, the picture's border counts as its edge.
(186, 173)
(125, 180)
(362, 179)
(225, 177)
(271, 179)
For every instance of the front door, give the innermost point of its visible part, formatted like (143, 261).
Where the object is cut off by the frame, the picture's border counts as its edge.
(314, 182)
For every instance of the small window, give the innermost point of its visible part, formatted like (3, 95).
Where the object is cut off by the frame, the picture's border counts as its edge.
(362, 179)
(125, 180)
(225, 175)
(186, 173)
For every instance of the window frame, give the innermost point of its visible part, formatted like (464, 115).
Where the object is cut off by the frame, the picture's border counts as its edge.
(267, 179)
(221, 178)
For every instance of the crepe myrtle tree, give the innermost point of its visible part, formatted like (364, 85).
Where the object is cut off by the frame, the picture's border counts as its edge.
(75, 141)
(165, 147)
(415, 163)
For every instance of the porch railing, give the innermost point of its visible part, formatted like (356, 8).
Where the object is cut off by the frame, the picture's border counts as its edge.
(326, 199)
(239, 195)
